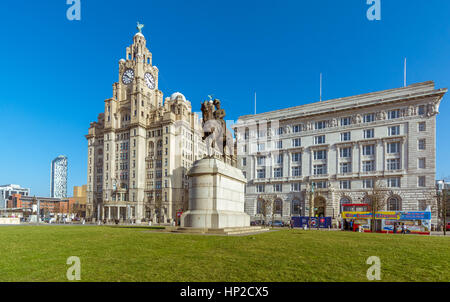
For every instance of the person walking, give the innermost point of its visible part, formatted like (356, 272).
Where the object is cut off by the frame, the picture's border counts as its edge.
(395, 227)
(403, 228)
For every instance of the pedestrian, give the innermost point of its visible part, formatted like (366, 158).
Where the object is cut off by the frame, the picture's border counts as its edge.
(395, 227)
(403, 228)
(351, 225)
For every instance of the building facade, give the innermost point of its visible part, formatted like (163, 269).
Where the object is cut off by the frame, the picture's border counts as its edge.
(9, 190)
(344, 148)
(58, 181)
(140, 148)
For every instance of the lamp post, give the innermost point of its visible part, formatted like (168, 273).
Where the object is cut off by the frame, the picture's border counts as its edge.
(311, 204)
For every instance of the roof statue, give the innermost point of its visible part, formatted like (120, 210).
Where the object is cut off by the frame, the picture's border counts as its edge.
(140, 27)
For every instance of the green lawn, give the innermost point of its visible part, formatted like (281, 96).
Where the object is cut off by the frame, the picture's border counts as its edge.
(39, 253)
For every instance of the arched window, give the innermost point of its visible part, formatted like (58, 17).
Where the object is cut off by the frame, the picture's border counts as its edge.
(278, 207)
(259, 206)
(296, 207)
(344, 200)
(394, 204)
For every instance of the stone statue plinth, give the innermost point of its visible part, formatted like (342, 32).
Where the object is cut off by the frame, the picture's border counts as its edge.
(216, 196)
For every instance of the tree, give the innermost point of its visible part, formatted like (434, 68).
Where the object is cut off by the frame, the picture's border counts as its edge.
(265, 209)
(443, 199)
(377, 200)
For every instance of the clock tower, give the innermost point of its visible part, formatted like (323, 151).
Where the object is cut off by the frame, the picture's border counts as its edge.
(141, 147)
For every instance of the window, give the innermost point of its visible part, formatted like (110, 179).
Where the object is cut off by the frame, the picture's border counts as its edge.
(421, 110)
(278, 172)
(369, 150)
(393, 182)
(277, 188)
(296, 128)
(393, 164)
(345, 152)
(369, 133)
(393, 148)
(261, 173)
(296, 142)
(319, 139)
(394, 130)
(345, 121)
(422, 144)
(261, 147)
(421, 181)
(280, 130)
(320, 154)
(320, 184)
(368, 166)
(345, 136)
(295, 187)
(279, 145)
(279, 159)
(261, 160)
(421, 163)
(320, 169)
(260, 188)
(296, 207)
(296, 157)
(345, 168)
(345, 184)
(244, 161)
(393, 204)
(278, 207)
(393, 114)
(368, 118)
(422, 126)
(367, 183)
(319, 125)
(296, 171)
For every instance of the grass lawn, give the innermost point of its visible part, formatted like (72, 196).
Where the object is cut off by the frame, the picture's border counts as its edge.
(39, 253)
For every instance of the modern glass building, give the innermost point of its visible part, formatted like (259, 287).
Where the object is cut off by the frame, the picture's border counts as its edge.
(58, 181)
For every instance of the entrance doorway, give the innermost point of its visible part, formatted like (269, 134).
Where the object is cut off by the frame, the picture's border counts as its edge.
(319, 206)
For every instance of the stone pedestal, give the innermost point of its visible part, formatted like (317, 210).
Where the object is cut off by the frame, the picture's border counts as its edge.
(216, 196)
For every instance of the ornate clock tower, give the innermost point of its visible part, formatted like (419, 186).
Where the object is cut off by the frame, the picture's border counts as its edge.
(140, 148)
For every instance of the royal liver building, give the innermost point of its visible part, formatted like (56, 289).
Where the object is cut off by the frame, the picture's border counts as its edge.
(140, 148)
(343, 147)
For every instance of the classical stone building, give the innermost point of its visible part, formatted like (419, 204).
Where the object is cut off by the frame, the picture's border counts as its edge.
(141, 147)
(344, 147)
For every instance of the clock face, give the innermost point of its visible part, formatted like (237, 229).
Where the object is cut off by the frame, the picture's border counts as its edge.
(149, 80)
(128, 76)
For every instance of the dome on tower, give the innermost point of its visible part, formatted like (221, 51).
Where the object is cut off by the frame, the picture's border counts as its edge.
(177, 95)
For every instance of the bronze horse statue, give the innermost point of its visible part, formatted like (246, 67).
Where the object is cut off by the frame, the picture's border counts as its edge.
(215, 132)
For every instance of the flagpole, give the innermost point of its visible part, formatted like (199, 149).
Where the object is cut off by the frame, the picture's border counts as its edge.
(404, 74)
(255, 102)
(320, 97)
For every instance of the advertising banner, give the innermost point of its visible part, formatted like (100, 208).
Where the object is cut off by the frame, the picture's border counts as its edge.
(415, 215)
(320, 222)
(368, 215)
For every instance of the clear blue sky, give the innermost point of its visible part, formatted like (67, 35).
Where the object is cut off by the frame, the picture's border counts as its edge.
(57, 73)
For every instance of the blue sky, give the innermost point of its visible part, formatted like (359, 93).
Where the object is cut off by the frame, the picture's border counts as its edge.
(56, 73)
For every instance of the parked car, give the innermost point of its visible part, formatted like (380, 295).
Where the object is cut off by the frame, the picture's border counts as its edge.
(447, 227)
(277, 223)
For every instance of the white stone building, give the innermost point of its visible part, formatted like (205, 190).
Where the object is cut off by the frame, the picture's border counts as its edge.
(140, 148)
(343, 146)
